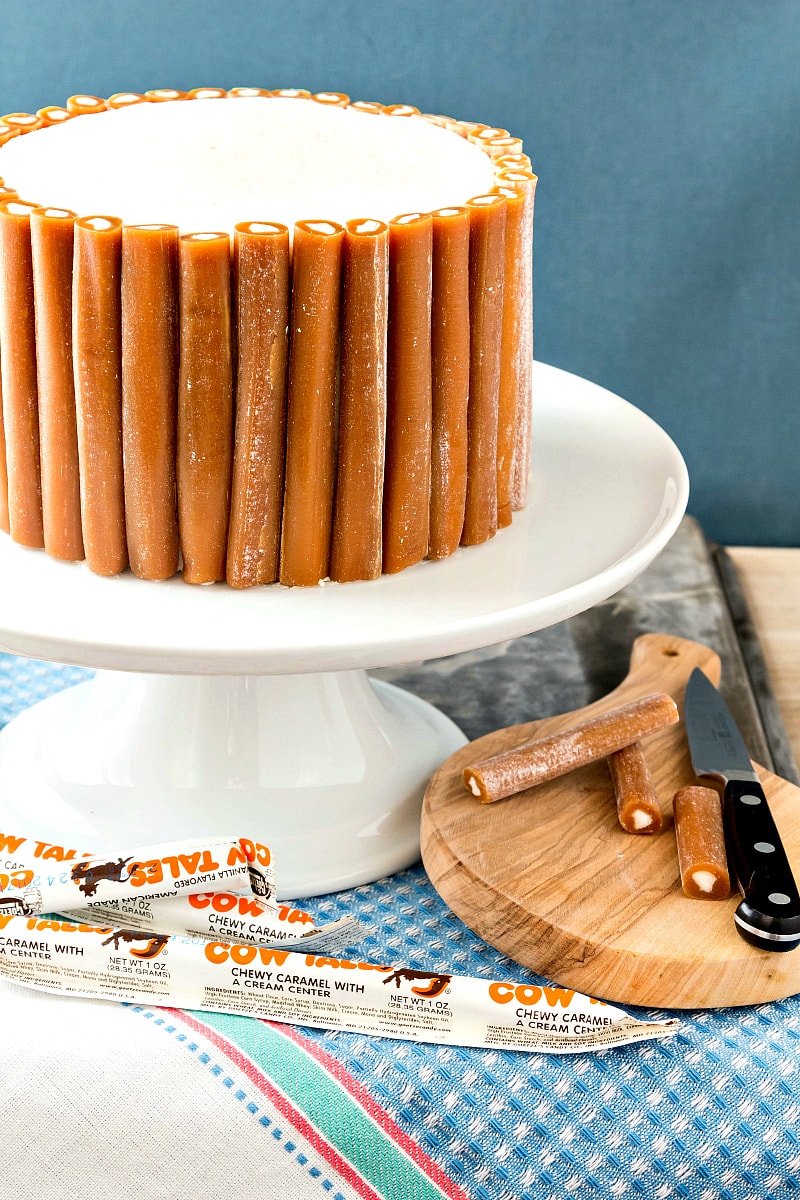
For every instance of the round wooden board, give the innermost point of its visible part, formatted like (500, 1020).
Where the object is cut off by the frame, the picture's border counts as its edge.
(550, 878)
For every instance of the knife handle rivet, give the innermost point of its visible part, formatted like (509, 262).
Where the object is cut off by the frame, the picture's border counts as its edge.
(750, 799)
(779, 898)
(764, 847)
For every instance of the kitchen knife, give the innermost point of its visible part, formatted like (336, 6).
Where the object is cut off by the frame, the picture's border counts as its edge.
(769, 914)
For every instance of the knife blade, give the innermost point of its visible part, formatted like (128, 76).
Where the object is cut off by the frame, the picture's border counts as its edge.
(769, 914)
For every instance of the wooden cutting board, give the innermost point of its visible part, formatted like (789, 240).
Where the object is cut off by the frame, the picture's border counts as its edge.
(549, 878)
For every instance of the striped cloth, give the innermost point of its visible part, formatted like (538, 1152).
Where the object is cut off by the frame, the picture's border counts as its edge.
(102, 1099)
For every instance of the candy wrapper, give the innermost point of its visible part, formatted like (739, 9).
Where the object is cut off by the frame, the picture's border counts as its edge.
(213, 971)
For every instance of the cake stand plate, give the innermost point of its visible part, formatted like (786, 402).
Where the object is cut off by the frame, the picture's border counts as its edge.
(228, 712)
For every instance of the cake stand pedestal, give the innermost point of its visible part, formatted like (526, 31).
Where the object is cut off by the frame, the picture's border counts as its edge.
(217, 712)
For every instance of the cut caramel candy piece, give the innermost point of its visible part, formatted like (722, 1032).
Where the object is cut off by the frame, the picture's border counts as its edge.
(701, 844)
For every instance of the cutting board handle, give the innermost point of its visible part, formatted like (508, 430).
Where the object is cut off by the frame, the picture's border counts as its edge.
(660, 662)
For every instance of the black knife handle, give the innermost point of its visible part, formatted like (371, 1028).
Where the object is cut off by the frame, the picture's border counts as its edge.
(769, 915)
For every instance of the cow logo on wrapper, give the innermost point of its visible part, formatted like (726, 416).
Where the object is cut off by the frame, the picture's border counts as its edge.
(438, 982)
(88, 875)
(154, 942)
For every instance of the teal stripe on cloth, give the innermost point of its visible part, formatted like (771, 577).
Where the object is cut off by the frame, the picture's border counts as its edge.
(329, 1107)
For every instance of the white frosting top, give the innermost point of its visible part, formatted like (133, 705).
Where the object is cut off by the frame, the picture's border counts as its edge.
(208, 164)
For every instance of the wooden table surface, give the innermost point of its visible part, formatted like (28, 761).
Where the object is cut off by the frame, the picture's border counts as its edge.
(770, 579)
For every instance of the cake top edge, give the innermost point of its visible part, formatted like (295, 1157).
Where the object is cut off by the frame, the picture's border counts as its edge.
(209, 166)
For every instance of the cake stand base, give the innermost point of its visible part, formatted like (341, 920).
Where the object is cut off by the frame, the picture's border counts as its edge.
(328, 769)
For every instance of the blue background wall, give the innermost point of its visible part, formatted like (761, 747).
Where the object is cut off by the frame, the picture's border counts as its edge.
(666, 137)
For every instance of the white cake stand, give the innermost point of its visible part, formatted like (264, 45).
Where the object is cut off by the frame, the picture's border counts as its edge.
(251, 713)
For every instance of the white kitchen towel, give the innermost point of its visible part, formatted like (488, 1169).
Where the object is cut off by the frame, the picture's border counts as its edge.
(107, 1100)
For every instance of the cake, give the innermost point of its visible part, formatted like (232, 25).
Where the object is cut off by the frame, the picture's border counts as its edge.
(261, 337)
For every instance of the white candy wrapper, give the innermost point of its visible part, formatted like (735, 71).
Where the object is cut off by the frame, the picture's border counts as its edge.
(308, 989)
(38, 877)
(237, 917)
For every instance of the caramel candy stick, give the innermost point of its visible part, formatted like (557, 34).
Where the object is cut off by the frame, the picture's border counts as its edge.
(356, 548)
(3, 472)
(163, 95)
(18, 368)
(85, 105)
(559, 753)
(52, 239)
(450, 377)
(487, 229)
(310, 428)
(337, 99)
(484, 133)
(701, 844)
(97, 365)
(511, 366)
(400, 110)
(150, 397)
(24, 122)
(208, 94)
(525, 182)
(637, 805)
(512, 162)
(205, 404)
(54, 114)
(407, 488)
(126, 99)
(499, 147)
(261, 291)
(367, 106)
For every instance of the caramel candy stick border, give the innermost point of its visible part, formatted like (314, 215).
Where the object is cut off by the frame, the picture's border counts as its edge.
(52, 244)
(407, 488)
(450, 378)
(205, 404)
(356, 547)
(634, 790)
(487, 231)
(262, 304)
(150, 397)
(97, 365)
(549, 757)
(19, 375)
(311, 413)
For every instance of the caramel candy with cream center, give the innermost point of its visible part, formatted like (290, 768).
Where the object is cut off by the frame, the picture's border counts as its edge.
(638, 809)
(19, 382)
(450, 378)
(700, 838)
(150, 396)
(407, 488)
(487, 231)
(357, 534)
(261, 295)
(52, 239)
(310, 434)
(205, 405)
(559, 753)
(97, 357)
